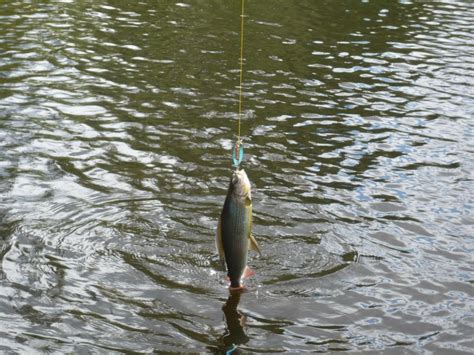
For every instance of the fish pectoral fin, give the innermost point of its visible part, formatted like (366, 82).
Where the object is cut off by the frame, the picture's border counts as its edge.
(248, 200)
(219, 246)
(253, 245)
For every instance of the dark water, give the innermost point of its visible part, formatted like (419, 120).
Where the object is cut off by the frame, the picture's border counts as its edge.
(116, 123)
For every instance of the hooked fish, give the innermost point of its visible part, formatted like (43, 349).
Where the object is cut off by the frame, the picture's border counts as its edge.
(234, 231)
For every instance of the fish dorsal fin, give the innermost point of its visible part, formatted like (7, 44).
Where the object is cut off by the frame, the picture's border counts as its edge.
(253, 245)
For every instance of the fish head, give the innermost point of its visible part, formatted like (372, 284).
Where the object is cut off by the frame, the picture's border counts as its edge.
(240, 184)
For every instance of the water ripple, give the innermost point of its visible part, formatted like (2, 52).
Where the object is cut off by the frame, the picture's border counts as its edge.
(116, 125)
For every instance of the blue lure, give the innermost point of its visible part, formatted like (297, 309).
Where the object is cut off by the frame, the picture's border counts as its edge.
(237, 154)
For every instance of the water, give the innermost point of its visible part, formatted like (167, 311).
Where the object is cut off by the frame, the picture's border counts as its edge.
(116, 124)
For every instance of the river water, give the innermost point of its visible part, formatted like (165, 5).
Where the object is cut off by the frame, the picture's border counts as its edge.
(116, 125)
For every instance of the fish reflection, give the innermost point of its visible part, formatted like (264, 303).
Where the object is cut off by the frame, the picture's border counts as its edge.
(235, 320)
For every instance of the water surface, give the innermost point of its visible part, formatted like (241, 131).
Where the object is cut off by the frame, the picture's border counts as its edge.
(116, 124)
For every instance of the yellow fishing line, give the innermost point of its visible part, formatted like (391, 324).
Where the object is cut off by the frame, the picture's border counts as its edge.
(238, 150)
(241, 69)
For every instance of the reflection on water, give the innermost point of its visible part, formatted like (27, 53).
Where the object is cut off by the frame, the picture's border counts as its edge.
(116, 125)
(235, 320)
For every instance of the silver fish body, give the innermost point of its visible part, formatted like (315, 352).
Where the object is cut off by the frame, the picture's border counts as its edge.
(235, 227)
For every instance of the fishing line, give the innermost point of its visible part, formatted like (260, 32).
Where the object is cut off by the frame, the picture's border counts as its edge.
(238, 151)
(241, 67)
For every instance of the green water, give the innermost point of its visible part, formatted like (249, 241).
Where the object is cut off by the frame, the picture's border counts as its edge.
(116, 125)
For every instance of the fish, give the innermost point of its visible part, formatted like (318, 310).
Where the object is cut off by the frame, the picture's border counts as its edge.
(234, 231)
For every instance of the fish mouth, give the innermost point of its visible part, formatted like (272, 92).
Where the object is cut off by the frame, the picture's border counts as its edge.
(241, 183)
